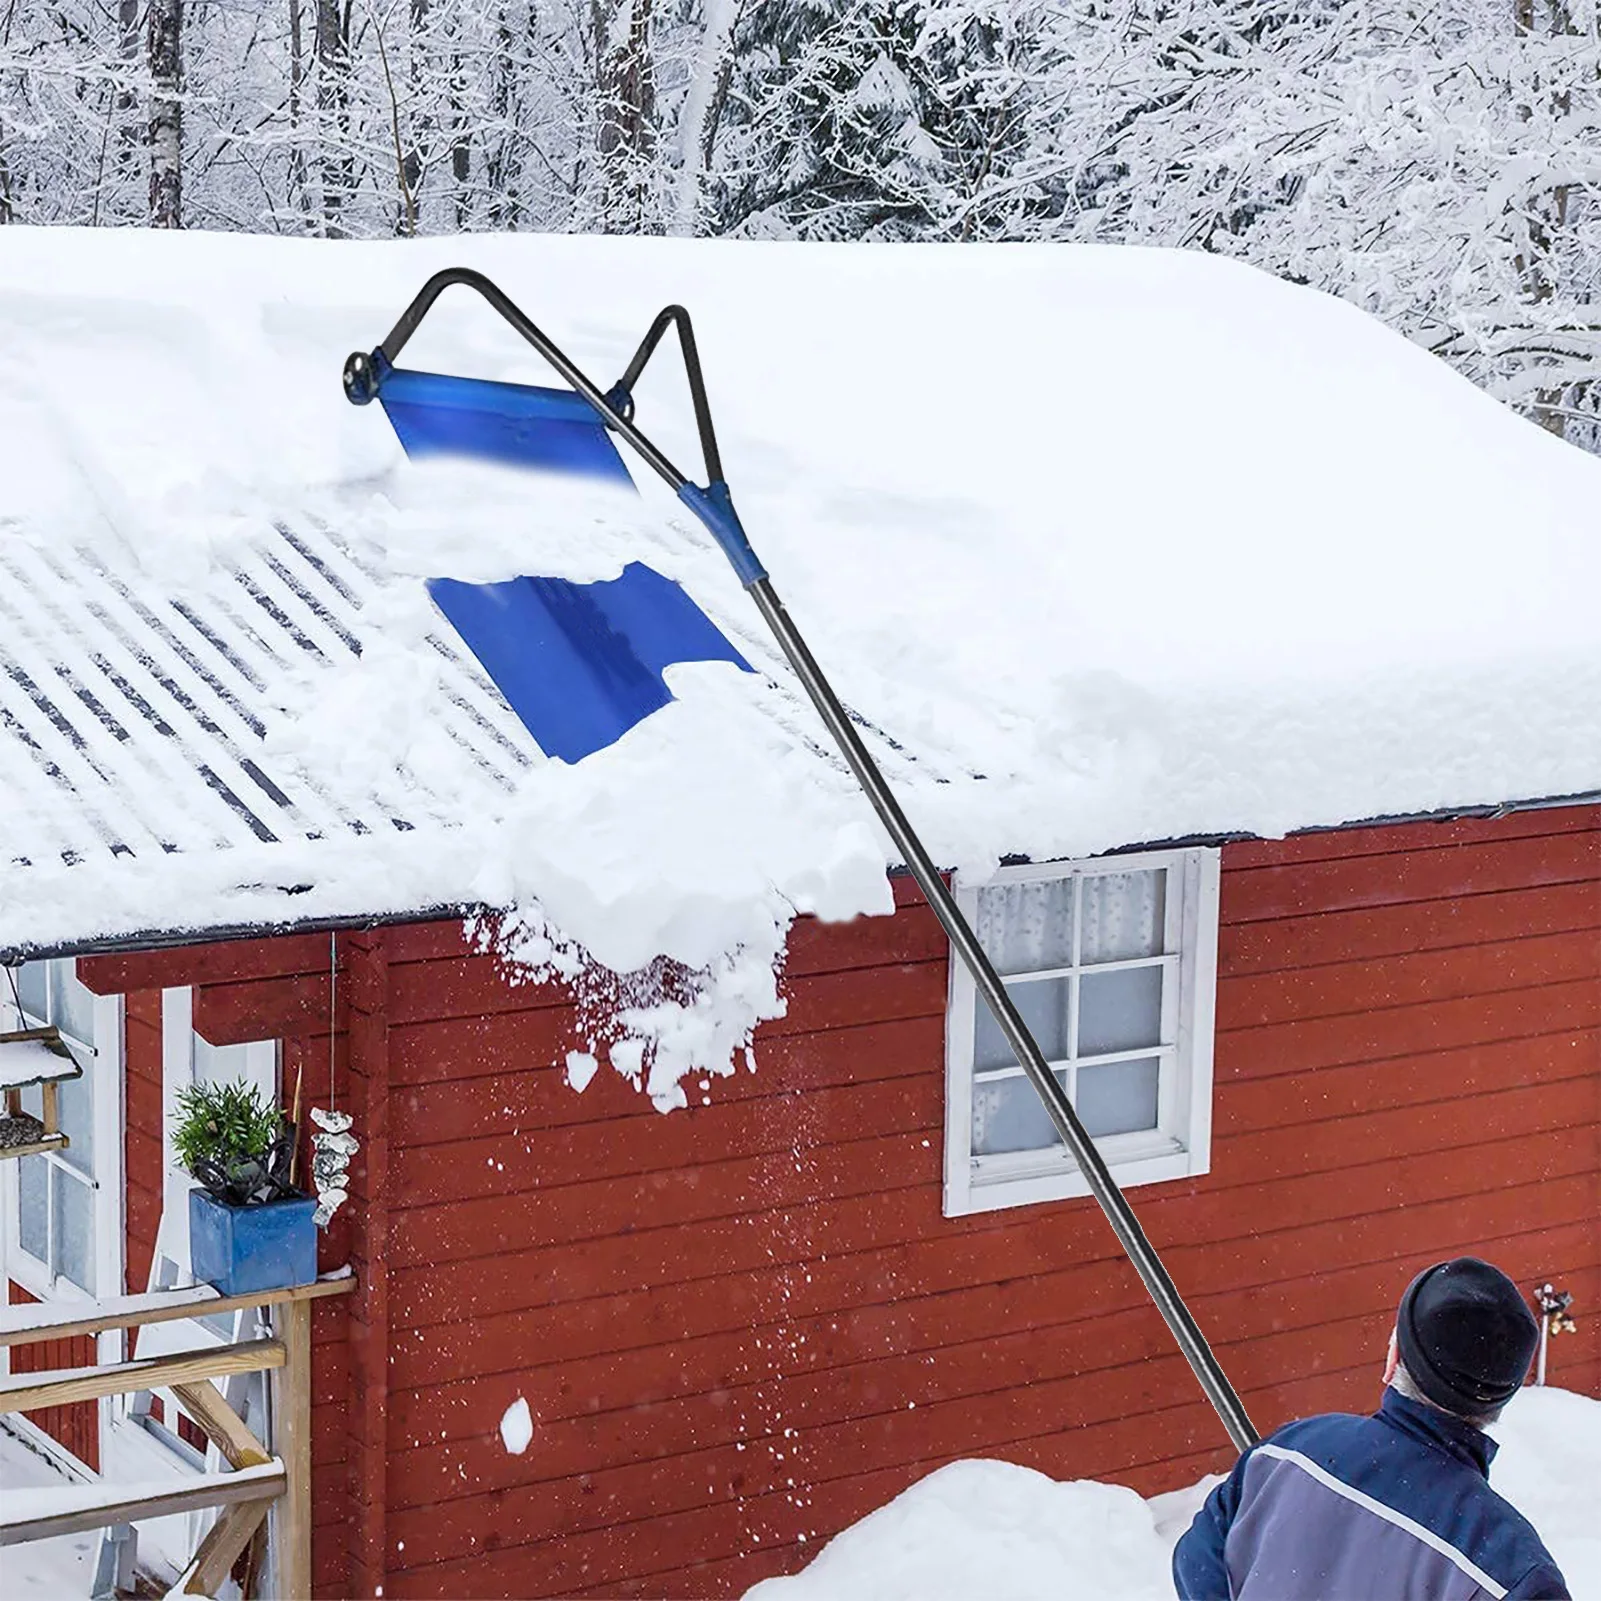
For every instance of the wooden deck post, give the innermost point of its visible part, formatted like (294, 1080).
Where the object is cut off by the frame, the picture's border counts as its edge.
(256, 1478)
(292, 1444)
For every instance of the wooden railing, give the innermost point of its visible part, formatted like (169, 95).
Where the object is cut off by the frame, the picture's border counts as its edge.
(258, 1479)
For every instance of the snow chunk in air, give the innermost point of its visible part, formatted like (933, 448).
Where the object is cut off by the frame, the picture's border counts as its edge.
(517, 1427)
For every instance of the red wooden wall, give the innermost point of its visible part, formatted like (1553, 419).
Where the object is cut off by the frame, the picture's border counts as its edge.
(742, 1326)
(76, 1426)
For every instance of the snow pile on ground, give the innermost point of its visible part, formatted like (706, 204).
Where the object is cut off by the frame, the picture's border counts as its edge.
(997, 1530)
(1549, 1468)
(43, 1570)
(1110, 545)
(1008, 1533)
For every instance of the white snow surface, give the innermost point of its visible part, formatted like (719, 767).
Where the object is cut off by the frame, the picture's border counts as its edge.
(1008, 1533)
(25, 1062)
(42, 1570)
(994, 1529)
(50, 1496)
(1112, 545)
(581, 1070)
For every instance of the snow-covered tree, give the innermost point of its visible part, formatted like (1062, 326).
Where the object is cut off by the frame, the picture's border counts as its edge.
(871, 118)
(1437, 162)
(1426, 160)
(164, 24)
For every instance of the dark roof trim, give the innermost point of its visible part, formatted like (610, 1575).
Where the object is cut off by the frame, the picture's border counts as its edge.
(173, 939)
(168, 939)
(1449, 814)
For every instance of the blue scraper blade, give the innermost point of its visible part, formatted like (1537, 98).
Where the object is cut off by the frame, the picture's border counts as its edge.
(517, 425)
(580, 664)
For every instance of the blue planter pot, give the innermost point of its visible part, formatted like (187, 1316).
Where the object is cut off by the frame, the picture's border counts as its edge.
(243, 1248)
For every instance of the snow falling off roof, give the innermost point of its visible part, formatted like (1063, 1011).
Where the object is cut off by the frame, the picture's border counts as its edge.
(1112, 545)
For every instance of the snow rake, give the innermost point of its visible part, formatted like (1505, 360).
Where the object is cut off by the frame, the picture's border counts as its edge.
(571, 431)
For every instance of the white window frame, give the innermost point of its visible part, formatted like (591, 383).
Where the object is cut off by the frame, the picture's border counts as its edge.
(258, 1062)
(134, 1444)
(1181, 1144)
(101, 1060)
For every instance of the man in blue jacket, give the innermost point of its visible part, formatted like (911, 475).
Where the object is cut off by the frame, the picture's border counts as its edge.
(1398, 1506)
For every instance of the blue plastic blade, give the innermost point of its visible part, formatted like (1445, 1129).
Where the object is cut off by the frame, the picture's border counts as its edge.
(580, 664)
(549, 430)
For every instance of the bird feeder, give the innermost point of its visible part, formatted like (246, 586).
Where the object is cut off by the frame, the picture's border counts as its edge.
(32, 1056)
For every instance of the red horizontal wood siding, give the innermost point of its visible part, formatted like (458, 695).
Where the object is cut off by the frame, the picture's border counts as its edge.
(76, 1426)
(749, 1322)
(742, 1326)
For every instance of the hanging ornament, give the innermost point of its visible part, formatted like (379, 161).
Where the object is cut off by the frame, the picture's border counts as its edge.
(332, 1147)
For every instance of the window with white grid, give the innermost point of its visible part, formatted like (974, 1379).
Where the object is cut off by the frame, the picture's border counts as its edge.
(1112, 965)
(52, 1223)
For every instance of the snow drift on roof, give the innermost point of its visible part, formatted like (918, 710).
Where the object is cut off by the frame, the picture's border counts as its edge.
(1103, 545)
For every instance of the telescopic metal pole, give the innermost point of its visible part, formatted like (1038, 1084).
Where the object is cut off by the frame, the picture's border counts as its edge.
(363, 379)
(929, 879)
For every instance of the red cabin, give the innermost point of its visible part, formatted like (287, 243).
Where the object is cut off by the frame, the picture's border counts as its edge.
(1318, 1049)
(742, 1326)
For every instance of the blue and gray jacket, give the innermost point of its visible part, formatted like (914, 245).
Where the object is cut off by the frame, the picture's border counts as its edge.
(1397, 1506)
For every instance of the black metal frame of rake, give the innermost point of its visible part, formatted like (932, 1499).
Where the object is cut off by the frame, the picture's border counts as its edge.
(363, 377)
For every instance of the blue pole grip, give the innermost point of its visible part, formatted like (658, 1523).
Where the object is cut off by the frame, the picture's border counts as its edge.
(715, 508)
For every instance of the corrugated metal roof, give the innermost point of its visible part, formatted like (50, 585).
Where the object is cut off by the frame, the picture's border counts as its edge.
(141, 723)
(134, 720)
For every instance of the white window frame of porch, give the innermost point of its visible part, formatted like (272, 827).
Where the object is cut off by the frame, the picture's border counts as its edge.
(182, 1050)
(103, 1062)
(138, 1445)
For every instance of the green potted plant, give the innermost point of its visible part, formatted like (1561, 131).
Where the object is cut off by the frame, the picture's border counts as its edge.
(249, 1227)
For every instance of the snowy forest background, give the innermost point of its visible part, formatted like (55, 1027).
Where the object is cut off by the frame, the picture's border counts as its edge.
(1438, 162)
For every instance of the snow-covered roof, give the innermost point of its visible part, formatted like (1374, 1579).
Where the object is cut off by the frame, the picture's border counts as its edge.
(135, 714)
(140, 704)
(1103, 546)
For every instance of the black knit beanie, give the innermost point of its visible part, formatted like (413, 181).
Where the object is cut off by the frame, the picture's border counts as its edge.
(1466, 1335)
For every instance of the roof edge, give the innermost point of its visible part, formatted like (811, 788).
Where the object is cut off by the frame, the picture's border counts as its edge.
(169, 939)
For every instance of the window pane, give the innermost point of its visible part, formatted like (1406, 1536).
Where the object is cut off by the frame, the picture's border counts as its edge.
(1119, 1011)
(77, 1119)
(1008, 1115)
(1118, 1097)
(1123, 915)
(219, 1064)
(74, 1241)
(1044, 1008)
(33, 979)
(1027, 927)
(74, 1012)
(33, 1194)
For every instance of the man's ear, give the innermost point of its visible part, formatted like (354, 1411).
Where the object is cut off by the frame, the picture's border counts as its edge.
(1392, 1358)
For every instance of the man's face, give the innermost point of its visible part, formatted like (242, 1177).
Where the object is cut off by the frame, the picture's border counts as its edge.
(1392, 1358)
